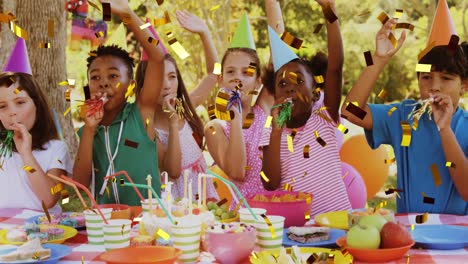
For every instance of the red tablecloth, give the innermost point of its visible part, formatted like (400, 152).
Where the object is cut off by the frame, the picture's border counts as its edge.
(90, 253)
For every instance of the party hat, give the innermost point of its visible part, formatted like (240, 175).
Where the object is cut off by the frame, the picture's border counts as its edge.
(18, 60)
(119, 37)
(243, 37)
(442, 26)
(280, 51)
(144, 55)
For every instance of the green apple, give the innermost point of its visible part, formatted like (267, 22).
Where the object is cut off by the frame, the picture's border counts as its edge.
(363, 236)
(377, 221)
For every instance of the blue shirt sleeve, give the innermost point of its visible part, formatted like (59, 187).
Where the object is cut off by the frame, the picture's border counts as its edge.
(384, 126)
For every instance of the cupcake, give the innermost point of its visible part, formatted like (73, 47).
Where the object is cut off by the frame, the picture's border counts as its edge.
(43, 237)
(141, 240)
(55, 233)
(31, 228)
(67, 221)
(16, 235)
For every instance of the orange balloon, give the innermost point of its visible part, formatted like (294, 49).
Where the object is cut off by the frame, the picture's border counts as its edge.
(368, 162)
(221, 188)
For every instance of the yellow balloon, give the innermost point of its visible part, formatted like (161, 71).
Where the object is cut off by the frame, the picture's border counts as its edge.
(368, 162)
(222, 189)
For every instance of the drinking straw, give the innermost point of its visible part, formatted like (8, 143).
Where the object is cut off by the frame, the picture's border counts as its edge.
(154, 193)
(150, 199)
(234, 187)
(87, 193)
(69, 184)
(129, 179)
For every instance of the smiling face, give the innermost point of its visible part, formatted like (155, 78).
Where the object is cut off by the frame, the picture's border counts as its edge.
(294, 81)
(16, 107)
(109, 74)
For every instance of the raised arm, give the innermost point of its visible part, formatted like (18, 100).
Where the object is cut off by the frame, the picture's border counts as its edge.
(195, 24)
(363, 86)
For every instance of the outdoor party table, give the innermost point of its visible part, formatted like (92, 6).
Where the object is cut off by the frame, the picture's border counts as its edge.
(81, 250)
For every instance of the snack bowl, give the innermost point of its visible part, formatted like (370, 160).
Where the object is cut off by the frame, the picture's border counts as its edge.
(375, 255)
(229, 246)
(142, 255)
(294, 211)
(120, 211)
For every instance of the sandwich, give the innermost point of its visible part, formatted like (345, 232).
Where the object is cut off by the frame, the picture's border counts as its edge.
(30, 250)
(308, 234)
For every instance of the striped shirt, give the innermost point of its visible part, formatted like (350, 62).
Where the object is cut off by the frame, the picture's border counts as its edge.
(320, 173)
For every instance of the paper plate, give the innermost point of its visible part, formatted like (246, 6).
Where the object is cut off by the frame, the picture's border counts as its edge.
(334, 235)
(57, 252)
(68, 232)
(142, 255)
(35, 220)
(338, 219)
(440, 236)
(305, 251)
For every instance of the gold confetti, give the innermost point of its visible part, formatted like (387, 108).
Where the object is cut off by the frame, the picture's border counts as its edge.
(306, 151)
(309, 199)
(342, 128)
(398, 13)
(390, 112)
(319, 79)
(160, 2)
(213, 130)
(106, 12)
(99, 34)
(247, 167)
(44, 45)
(423, 67)
(217, 68)
(383, 17)
(91, 3)
(162, 21)
(382, 94)
(146, 25)
(421, 219)
(415, 124)
(368, 58)
(288, 187)
(329, 14)
(436, 175)
(214, 8)
(319, 139)
(268, 222)
(50, 28)
(178, 49)
(392, 39)
(163, 234)
(29, 169)
(307, 216)
(388, 161)
(221, 101)
(251, 70)
(67, 111)
(291, 40)
(289, 138)
(405, 25)
(18, 31)
(406, 138)
(268, 121)
(427, 199)
(412, 227)
(130, 89)
(318, 27)
(264, 177)
(450, 164)
(92, 54)
(354, 109)
(249, 118)
(130, 143)
(17, 91)
(56, 189)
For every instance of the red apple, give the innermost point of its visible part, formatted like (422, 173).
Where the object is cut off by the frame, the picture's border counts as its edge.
(363, 236)
(394, 235)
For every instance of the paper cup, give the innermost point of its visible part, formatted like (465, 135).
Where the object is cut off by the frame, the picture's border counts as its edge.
(265, 238)
(187, 238)
(117, 233)
(246, 217)
(145, 205)
(94, 224)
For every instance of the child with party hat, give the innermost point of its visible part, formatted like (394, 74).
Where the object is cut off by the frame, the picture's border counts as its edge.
(30, 146)
(428, 136)
(119, 135)
(233, 143)
(179, 128)
(299, 147)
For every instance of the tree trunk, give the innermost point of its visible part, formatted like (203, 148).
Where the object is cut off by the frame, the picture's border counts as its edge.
(47, 64)
(7, 38)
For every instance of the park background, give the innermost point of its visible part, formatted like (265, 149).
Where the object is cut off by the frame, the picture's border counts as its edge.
(358, 19)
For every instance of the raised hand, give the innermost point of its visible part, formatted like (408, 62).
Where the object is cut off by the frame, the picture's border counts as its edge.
(94, 115)
(191, 22)
(384, 47)
(442, 110)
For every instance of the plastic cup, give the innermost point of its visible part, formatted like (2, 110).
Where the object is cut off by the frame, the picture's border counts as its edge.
(265, 238)
(117, 233)
(246, 217)
(186, 237)
(94, 225)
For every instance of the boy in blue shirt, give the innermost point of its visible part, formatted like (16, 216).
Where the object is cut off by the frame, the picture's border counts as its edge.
(431, 151)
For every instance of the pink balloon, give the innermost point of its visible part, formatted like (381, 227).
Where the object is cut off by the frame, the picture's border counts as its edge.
(355, 186)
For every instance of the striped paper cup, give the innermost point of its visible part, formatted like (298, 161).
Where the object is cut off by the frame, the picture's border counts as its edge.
(94, 224)
(246, 217)
(266, 239)
(117, 233)
(187, 238)
(145, 205)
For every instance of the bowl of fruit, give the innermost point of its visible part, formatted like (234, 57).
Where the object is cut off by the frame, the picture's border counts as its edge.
(294, 206)
(355, 215)
(375, 239)
(222, 212)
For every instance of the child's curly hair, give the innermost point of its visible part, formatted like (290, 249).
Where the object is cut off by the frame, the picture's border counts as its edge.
(116, 51)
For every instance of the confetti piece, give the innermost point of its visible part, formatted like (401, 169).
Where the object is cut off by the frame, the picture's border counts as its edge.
(405, 25)
(18, 31)
(426, 50)
(412, 227)
(131, 144)
(214, 8)
(329, 14)
(6, 18)
(268, 121)
(264, 177)
(99, 34)
(319, 79)
(406, 137)
(92, 54)
(247, 167)
(291, 40)
(306, 151)
(211, 112)
(392, 39)
(178, 49)
(65, 196)
(319, 139)
(450, 164)
(388, 161)
(356, 110)
(426, 199)
(421, 219)
(221, 101)
(398, 13)
(252, 69)
(56, 189)
(130, 90)
(342, 128)
(213, 130)
(91, 3)
(309, 199)
(146, 25)
(249, 118)
(163, 234)
(46, 211)
(436, 175)
(317, 29)
(392, 190)
(160, 2)
(290, 143)
(163, 20)
(44, 45)
(368, 57)
(223, 201)
(305, 174)
(50, 28)
(67, 111)
(268, 222)
(153, 41)
(29, 169)
(383, 17)
(382, 94)
(423, 67)
(288, 187)
(453, 44)
(17, 91)
(390, 112)
(217, 68)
